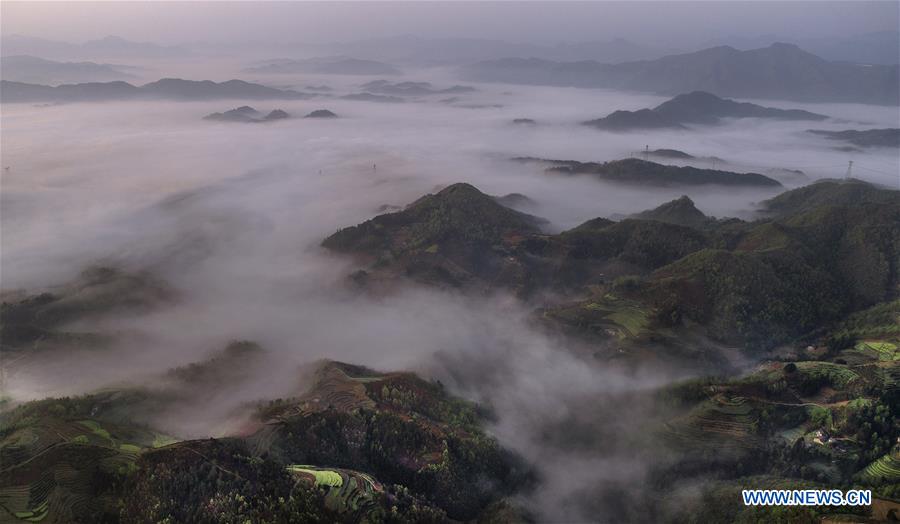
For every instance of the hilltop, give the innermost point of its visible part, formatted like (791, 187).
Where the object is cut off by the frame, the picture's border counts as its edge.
(827, 193)
(746, 283)
(634, 171)
(419, 450)
(700, 107)
(321, 113)
(697, 107)
(450, 237)
(629, 120)
(247, 114)
(681, 211)
(671, 153)
(417, 435)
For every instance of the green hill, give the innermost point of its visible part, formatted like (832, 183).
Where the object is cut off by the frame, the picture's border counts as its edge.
(827, 193)
(400, 429)
(359, 445)
(633, 171)
(753, 284)
(453, 238)
(31, 320)
(681, 211)
(783, 279)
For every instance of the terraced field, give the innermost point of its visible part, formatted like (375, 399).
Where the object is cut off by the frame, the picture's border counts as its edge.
(887, 468)
(840, 377)
(608, 314)
(881, 372)
(323, 477)
(34, 515)
(347, 492)
(95, 428)
(336, 388)
(49, 466)
(55, 485)
(891, 376)
(880, 349)
(725, 422)
(13, 497)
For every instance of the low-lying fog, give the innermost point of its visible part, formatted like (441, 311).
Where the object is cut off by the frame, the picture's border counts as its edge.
(231, 215)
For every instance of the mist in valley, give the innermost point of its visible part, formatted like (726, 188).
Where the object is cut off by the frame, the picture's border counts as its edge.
(228, 218)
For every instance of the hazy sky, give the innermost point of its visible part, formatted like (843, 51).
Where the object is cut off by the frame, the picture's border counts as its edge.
(671, 22)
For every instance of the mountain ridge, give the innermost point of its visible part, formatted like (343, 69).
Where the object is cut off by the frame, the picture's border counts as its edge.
(780, 71)
(165, 88)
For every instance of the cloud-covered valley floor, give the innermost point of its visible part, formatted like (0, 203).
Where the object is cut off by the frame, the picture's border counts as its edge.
(230, 216)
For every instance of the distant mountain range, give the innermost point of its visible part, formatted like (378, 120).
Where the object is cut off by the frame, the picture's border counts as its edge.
(107, 47)
(872, 48)
(867, 138)
(411, 50)
(167, 88)
(383, 87)
(881, 47)
(780, 71)
(25, 68)
(697, 107)
(337, 65)
(369, 97)
(457, 51)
